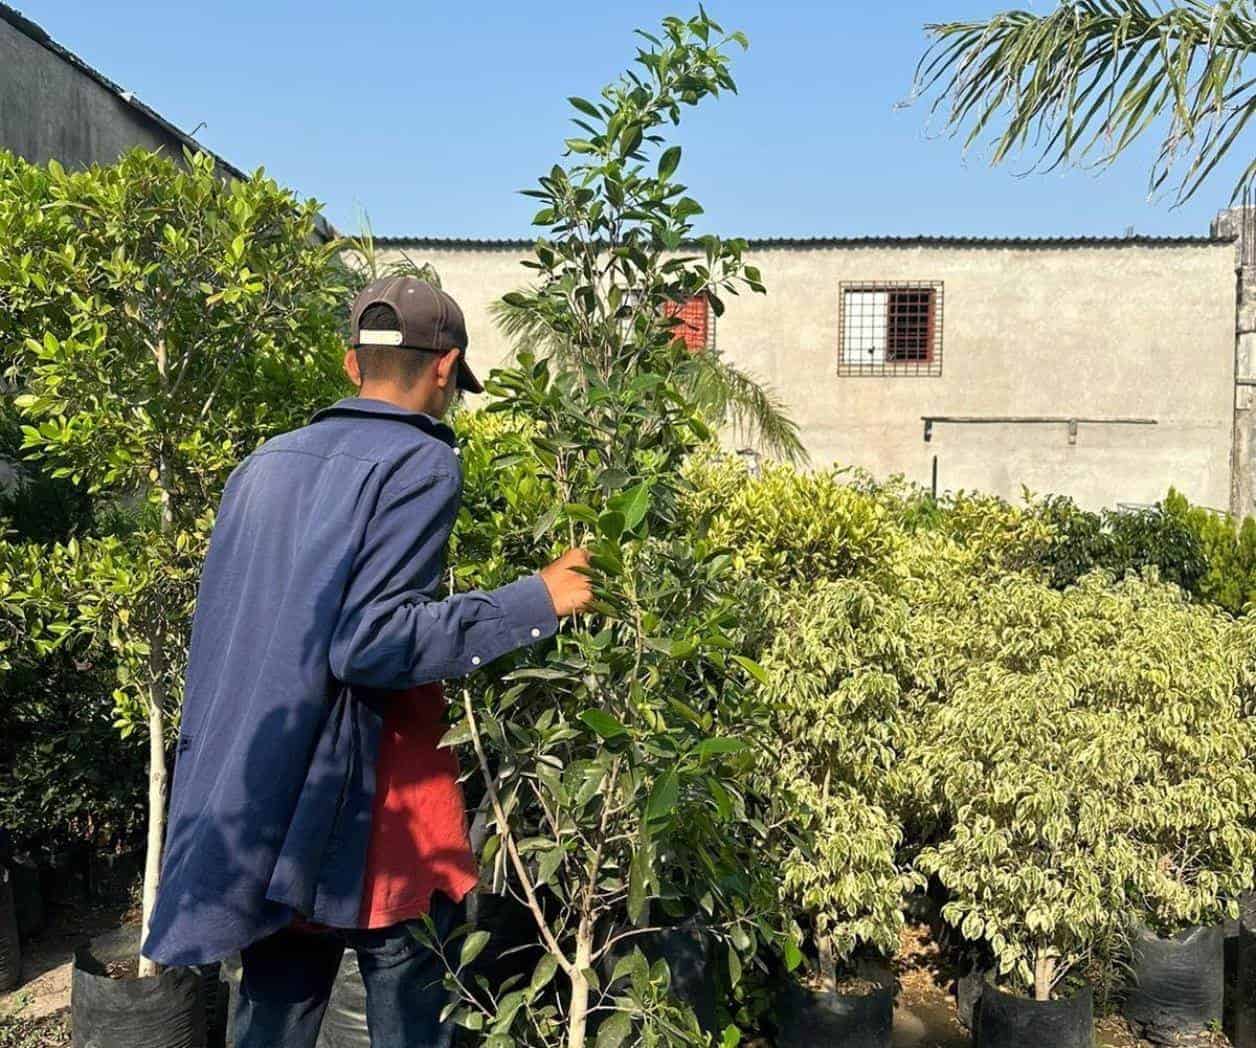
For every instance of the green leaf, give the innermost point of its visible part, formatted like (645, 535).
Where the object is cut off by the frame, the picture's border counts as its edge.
(614, 1031)
(754, 669)
(542, 974)
(546, 522)
(731, 1037)
(471, 949)
(586, 107)
(611, 479)
(580, 145)
(548, 866)
(457, 735)
(638, 883)
(668, 163)
(633, 504)
(579, 511)
(793, 955)
(603, 723)
(710, 747)
(611, 524)
(663, 797)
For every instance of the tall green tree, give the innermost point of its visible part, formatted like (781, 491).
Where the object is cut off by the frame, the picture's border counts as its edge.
(1081, 83)
(612, 763)
(157, 322)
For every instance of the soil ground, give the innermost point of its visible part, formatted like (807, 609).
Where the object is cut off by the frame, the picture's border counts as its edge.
(36, 1015)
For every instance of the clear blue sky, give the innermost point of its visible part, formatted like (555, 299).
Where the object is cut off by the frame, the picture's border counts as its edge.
(430, 116)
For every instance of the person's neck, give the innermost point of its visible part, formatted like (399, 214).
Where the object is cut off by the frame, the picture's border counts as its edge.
(416, 399)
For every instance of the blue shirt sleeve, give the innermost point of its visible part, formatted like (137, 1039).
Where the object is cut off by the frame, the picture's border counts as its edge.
(391, 632)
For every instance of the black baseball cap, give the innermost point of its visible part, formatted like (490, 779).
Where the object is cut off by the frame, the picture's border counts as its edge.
(428, 319)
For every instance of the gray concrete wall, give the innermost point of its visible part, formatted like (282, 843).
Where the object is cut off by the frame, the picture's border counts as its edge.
(1103, 331)
(50, 109)
(1240, 223)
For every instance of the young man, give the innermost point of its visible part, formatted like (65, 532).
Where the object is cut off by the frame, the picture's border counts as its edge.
(311, 809)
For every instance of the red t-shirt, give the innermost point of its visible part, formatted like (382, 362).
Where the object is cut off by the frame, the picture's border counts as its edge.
(419, 842)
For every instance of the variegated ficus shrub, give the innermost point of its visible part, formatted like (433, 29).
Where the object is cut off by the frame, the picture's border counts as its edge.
(1067, 763)
(1089, 761)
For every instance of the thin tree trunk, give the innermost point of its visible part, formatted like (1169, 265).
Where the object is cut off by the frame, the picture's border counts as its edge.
(828, 966)
(157, 775)
(1044, 974)
(157, 772)
(578, 1012)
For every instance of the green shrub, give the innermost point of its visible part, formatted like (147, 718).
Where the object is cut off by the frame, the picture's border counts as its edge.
(835, 665)
(1229, 550)
(615, 760)
(158, 322)
(66, 777)
(1119, 542)
(788, 525)
(1092, 762)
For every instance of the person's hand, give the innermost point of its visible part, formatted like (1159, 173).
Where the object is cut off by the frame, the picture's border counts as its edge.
(569, 589)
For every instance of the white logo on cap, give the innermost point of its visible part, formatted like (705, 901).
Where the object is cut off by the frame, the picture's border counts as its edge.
(367, 337)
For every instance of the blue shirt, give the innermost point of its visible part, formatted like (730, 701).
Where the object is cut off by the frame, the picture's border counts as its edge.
(317, 598)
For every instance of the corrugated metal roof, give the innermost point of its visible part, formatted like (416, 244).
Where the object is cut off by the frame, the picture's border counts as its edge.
(767, 243)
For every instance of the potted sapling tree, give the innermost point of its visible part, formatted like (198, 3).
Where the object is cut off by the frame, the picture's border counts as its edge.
(160, 321)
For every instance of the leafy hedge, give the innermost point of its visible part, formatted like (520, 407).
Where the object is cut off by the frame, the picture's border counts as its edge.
(1037, 707)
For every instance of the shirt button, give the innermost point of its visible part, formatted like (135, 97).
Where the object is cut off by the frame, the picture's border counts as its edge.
(475, 660)
(535, 632)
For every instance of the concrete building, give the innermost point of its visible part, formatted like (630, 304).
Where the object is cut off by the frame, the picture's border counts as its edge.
(1099, 368)
(56, 106)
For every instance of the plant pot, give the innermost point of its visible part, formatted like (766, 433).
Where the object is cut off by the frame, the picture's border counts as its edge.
(344, 1024)
(216, 994)
(806, 1019)
(28, 898)
(1006, 1021)
(686, 949)
(10, 946)
(163, 1011)
(1243, 1011)
(968, 991)
(1178, 985)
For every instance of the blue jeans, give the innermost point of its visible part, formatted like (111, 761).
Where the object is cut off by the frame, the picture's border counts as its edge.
(287, 980)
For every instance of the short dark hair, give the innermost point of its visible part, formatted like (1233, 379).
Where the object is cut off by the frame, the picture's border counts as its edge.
(389, 363)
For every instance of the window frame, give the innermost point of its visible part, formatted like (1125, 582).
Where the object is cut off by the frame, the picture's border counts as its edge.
(676, 309)
(929, 366)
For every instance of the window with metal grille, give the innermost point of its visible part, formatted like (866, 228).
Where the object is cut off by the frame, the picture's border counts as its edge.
(891, 328)
(697, 322)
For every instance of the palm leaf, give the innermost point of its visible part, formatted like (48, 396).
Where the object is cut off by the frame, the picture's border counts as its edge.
(363, 258)
(1080, 84)
(726, 395)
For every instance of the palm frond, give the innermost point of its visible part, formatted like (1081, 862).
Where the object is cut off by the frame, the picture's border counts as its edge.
(731, 397)
(366, 262)
(1080, 84)
(726, 395)
(525, 330)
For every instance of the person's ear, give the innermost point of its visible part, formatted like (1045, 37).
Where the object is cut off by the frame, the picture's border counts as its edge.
(447, 369)
(351, 367)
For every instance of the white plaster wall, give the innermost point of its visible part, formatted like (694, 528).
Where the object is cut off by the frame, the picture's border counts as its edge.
(1105, 331)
